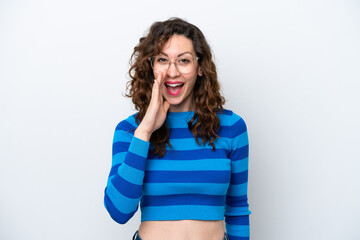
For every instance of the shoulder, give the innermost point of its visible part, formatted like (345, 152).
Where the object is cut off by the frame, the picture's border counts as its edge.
(229, 118)
(129, 124)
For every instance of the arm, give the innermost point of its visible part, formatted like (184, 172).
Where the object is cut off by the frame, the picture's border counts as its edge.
(124, 186)
(237, 208)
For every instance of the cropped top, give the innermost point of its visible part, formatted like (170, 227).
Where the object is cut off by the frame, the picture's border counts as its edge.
(192, 181)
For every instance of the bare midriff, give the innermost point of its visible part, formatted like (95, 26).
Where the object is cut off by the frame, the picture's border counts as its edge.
(182, 230)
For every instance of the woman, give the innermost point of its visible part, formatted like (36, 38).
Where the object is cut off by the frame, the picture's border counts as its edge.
(182, 156)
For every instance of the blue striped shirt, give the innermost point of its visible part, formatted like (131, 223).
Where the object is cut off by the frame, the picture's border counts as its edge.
(190, 182)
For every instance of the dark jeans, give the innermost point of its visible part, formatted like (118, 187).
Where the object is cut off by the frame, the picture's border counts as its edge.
(137, 237)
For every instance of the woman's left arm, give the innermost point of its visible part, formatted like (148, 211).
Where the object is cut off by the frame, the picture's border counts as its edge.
(237, 207)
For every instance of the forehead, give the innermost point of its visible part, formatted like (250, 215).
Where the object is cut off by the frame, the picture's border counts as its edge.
(178, 44)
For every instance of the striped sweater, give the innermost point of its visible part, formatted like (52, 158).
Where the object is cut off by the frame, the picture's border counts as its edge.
(190, 182)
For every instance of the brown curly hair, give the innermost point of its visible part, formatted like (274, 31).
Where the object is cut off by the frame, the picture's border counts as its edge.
(206, 93)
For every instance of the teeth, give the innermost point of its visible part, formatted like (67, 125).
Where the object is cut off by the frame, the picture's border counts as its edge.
(174, 84)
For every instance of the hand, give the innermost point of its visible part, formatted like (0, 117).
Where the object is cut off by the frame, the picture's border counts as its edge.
(156, 113)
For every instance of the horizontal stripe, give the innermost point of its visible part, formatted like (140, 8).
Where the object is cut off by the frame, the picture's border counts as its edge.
(240, 153)
(183, 199)
(238, 128)
(240, 201)
(118, 158)
(139, 147)
(184, 132)
(131, 120)
(189, 165)
(119, 147)
(135, 161)
(115, 214)
(232, 237)
(239, 141)
(191, 144)
(181, 188)
(194, 154)
(125, 126)
(122, 203)
(179, 212)
(239, 178)
(236, 211)
(131, 174)
(238, 230)
(126, 188)
(122, 136)
(114, 170)
(238, 190)
(240, 166)
(238, 220)
(187, 176)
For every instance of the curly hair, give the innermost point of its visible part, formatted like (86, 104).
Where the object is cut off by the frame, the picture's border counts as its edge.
(206, 93)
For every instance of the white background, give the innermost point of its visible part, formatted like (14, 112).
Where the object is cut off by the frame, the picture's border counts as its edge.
(289, 68)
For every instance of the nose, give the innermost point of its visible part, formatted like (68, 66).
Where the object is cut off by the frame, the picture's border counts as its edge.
(172, 70)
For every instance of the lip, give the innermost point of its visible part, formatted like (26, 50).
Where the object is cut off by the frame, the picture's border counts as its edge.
(174, 93)
(169, 82)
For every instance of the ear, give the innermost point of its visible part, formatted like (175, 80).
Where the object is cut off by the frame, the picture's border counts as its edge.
(200, 73)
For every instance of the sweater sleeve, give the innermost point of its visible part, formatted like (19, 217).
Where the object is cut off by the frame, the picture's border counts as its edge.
(237, 207)
(124, 186)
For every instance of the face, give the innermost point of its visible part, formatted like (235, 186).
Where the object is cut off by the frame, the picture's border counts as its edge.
(178, 87)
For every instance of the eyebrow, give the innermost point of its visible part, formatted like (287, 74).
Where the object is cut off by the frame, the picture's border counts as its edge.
(178, 55)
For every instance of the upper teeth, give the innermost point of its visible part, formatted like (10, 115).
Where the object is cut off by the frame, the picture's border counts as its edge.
(173, 84)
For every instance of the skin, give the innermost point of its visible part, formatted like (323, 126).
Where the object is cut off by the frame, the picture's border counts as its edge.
(161, 101)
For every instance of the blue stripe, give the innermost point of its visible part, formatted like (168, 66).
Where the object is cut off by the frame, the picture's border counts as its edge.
(232, 237)
(131, 175)
(139, 147)
(122, 136)
(132, 120)
(183, 199)
(135, 161)
(240, 153)
(239, 178)
(238, 128)
(240, 166)
(189, 165)
(194, 154)
(236, 211)
(181, 188)
(128, 189)
(118, 158)
(176, 133)
(125, 126)
(179, 212)
(240, 201)
(239, 141)
(118, 147)
(237, 220)
(114, 170)
(187, 176)
(122, 203)
(115, 214)
(238, 230)
(237, 190)
(225, 131)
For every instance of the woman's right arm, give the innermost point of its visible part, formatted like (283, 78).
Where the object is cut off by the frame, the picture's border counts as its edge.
(124, 186)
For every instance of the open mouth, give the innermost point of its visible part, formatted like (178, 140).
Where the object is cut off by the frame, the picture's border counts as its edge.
(174, 88)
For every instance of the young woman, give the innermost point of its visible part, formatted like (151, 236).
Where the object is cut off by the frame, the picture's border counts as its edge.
(182, 156)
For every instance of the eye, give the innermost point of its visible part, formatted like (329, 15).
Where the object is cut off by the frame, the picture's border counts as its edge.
(162, 60)
(184, 61)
